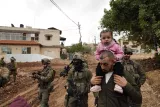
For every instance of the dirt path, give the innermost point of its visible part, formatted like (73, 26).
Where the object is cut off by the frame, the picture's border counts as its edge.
(27, 88)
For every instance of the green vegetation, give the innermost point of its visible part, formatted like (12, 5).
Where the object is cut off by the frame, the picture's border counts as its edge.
(78, 48)
(138, 19)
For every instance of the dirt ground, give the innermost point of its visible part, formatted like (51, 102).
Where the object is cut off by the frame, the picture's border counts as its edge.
(27, 87)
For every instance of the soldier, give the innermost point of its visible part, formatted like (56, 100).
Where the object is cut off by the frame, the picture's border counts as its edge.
(66, 69)
(135, 70)
(78, 83)
(12, 66)
(2, 63)
(4, 76)
(45, 79)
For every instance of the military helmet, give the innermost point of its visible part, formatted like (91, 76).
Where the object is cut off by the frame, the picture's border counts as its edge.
(128, 51)
(45, 61)
(2, 57)
(78, 56)
(12, 59)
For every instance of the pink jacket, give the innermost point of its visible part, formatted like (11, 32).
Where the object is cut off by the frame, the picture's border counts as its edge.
(114, 47)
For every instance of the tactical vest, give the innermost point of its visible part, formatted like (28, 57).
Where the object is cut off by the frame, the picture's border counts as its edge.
(43, 84)
(132, 69)
(12, 66)
(81, 81)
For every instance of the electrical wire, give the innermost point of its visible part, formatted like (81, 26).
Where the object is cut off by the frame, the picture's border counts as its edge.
(53, 2)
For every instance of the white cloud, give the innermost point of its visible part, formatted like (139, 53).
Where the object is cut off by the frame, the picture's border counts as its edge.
(43, 14)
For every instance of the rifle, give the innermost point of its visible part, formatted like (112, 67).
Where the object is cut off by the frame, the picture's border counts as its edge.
(71, 90)
(66, 70)
(34, 73)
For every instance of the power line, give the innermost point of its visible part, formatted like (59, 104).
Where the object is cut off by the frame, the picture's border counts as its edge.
(79, 26)
(69, 29)
(63, 12)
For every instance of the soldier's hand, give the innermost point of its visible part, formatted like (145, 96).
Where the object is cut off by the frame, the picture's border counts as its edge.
(63, 74)
(37, 76)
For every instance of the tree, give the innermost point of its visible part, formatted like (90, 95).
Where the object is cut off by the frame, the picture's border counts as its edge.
(78, 48)
(139, 19)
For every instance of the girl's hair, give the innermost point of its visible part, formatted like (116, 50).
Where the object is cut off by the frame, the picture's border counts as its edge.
(115, 40)
(105, 31)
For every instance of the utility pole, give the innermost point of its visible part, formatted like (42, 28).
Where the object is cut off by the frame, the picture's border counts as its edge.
(95, 41)
(79, 27)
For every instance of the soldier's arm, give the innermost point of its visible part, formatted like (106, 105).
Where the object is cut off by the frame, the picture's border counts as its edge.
(48, 77)
(133, 93)
(70, 74)
(16, 65)
(89, 76)
(142, 75)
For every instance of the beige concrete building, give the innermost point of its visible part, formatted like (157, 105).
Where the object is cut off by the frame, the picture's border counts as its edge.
(20, 40)
(131, 44)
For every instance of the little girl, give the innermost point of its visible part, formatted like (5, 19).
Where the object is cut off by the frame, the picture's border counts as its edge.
(108, 43)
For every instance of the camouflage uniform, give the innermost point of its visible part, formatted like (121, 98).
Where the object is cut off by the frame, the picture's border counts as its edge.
(4, 76)
(45, 79)
(12, 66)
(2, 63)
(78, 84)
(138, 75)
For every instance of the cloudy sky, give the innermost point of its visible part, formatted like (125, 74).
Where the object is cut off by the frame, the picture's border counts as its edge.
(43, 14)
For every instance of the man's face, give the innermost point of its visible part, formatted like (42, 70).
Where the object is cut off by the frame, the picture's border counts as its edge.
(127, 56)
(44, 65)
(77, 62)
(106, 64)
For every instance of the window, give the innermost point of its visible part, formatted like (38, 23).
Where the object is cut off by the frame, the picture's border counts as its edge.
(26, 50)
(24, 36)
(7, 37)
(6, 50)
(13, 37)
(36, 36)
(32, 38)
(48, 37)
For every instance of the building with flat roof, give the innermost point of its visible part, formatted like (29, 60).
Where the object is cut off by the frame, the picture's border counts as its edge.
(20, 40)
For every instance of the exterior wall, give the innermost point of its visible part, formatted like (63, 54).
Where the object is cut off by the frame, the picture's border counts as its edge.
(55, 39)
(17, 49)
(130, 44)
(28, 37)
(52, 52)
(48, 51)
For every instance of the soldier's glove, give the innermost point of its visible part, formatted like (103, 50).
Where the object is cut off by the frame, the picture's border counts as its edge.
(36, 76)
(63, 74)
